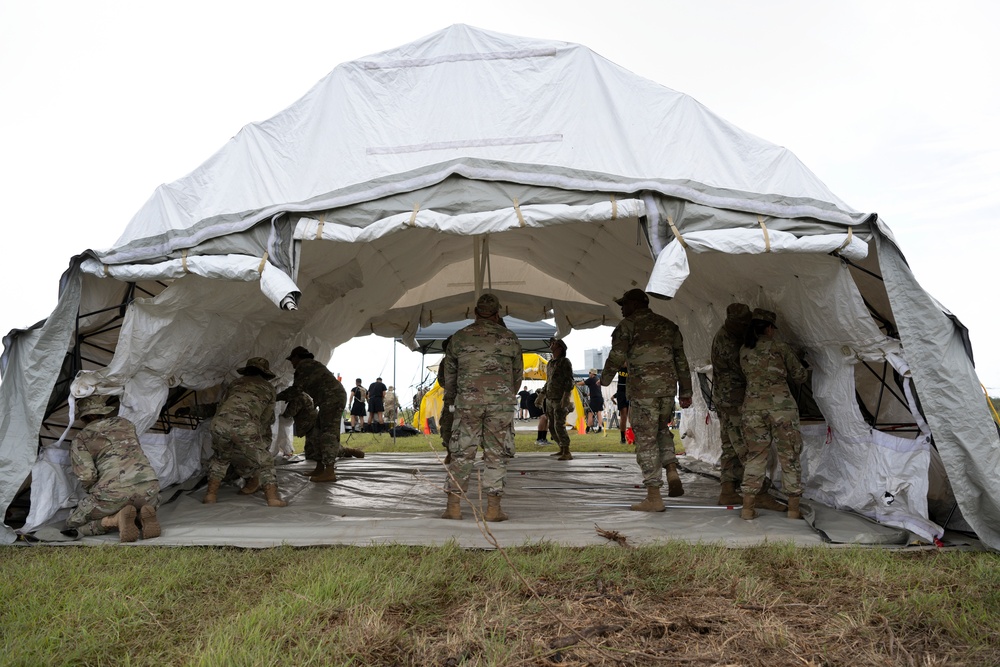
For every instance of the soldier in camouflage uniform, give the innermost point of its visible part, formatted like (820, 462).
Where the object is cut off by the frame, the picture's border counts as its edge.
(482, 371)
(653, 348)
(770, 414)
(116, 475)
(558, 393)
(447, 419)
(728, 386)
(330, 397)
(728, 390)
(241, 434)
(300, 408)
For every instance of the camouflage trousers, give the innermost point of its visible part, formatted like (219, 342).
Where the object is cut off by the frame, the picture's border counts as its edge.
(240, 444)
(734, 450)
(445, 425)
(654, 442)
(490, 427)
(323, 441)
(760, 429)
(556, 414)
(107, 500)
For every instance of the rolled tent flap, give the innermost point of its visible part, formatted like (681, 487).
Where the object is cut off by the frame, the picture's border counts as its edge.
(672, 268)
(274, 283)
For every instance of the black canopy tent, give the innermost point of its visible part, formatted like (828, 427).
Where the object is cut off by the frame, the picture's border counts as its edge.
(533, 336)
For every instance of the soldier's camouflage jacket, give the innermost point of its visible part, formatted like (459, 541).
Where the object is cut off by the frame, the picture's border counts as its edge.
(106, 453)
(767, 367)
(483, 366)
(654, 349)
(248, 400)
(559, 380)
(322, 386)
(728, 383)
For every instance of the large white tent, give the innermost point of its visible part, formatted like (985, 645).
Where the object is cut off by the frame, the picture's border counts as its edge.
(405, 183)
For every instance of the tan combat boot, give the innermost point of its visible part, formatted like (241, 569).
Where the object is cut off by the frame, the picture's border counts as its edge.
(748, 513)
(493, 511)
(728, 495)
(766, 501)
(318, 470)
(674, 486)
(793, 507)
(564, 455)
(273, 499)
(148, 522)
(329, 474)
(212, 494)
(251, 486)
(124, 522)
(454, 510)
(652, 503)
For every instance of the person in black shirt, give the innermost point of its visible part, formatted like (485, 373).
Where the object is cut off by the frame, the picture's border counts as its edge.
(595, 419)
(376, 404)
(620, 399)
(522, 405)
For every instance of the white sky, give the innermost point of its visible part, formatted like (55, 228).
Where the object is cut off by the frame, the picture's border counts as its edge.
(893, 104)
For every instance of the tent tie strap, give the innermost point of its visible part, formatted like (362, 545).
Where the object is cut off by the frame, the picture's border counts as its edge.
(319, 227)
(847, 242)
(767, 237)
(614, 208)
(263, 263)
(413, 216)
(676, 232)
(184, 260)
(107, 271)
(517, 210)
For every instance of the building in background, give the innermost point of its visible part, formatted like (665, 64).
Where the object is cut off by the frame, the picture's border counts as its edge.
(595, 359)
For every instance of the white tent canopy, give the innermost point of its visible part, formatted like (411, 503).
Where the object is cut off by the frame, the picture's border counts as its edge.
(405, 183)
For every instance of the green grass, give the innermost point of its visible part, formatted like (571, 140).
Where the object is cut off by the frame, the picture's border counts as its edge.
(523, 442)
(395, 605)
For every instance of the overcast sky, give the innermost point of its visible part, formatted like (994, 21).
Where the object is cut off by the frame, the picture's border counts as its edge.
(894, 105)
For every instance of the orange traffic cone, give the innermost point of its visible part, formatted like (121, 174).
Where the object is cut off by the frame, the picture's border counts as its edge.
(427, 428)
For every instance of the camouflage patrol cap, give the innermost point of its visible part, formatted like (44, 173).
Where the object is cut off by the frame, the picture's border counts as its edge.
(487, 305)
(299, 353)
(738, 312)
(260, 363)
(95, 404)
(765, 316)
(634, 296)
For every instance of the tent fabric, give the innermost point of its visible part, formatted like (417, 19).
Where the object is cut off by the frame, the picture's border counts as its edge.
(326, 222)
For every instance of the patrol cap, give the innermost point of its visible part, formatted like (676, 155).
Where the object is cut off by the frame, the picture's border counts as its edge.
(633, 296)
(300, 353)
(260, 363)
(738, 311)
(593, 371)
(765, 316)
(95, 404)
(488, 304)
(558, 341)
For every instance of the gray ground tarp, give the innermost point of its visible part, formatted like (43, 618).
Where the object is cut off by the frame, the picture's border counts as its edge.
(397, 498)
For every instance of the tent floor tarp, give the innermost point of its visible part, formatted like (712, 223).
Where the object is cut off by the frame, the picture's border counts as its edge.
(397, 498)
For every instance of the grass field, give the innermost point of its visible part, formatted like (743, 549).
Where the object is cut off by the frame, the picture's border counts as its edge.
(542, 604)
(539, 605)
